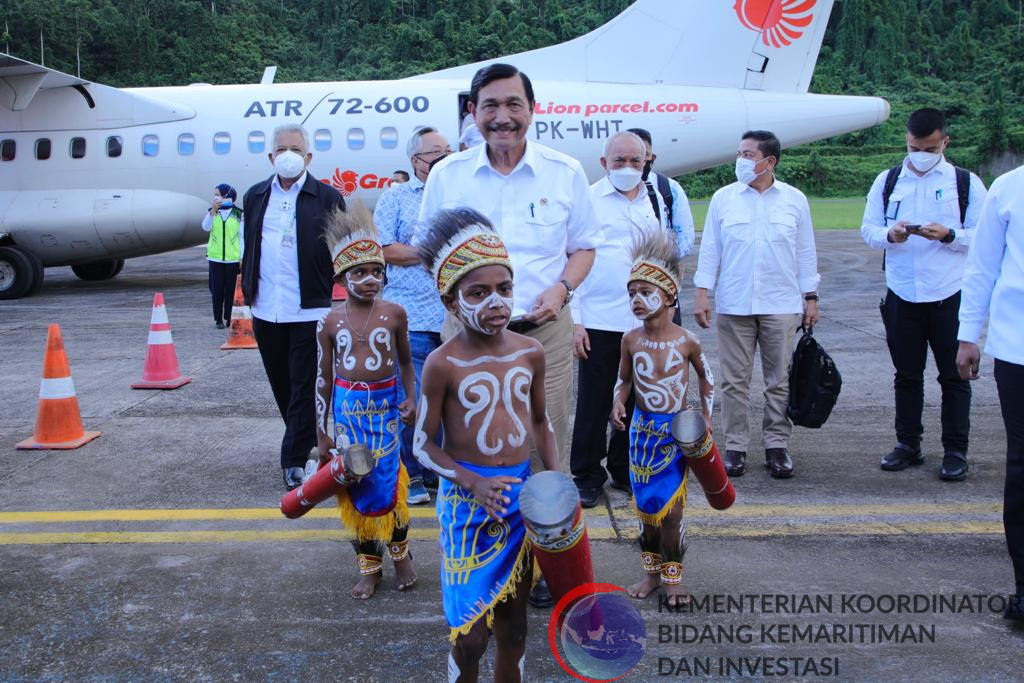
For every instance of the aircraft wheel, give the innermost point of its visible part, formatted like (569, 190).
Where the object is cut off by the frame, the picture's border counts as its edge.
(98, 270)
(17, 273)
(37, 266)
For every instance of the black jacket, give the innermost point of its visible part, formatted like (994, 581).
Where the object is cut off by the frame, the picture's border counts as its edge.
(316, 276)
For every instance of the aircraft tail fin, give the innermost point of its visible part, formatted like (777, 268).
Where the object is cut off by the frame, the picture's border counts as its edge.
(750, 44)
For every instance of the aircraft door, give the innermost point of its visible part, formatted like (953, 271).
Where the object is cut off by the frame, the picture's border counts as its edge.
(113, 219)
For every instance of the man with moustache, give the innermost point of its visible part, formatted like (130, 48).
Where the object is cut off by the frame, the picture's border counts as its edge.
(287, 279)
(538, 200)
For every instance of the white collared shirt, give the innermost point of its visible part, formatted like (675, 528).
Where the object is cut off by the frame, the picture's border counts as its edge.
(278, 299)
(921, 270)
(993, 280)
(601, 302)
(757, 250)
(542, 210)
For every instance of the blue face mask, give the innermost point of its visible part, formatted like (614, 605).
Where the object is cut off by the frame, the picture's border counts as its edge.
(226, 204)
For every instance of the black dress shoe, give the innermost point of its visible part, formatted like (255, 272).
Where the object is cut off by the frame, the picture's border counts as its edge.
(292, 477)
(735, 463)
(902, 457)
(540, 596)
(589, 497)
(219, 324)
(778, 462)
(954, 466)
(621, 485)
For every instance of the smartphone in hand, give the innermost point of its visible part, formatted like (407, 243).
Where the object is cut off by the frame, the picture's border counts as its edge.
(912, 229)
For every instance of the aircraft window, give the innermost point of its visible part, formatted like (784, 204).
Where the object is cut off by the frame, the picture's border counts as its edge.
(114, 146)
(7, 148)
(221, 143)
(150, 145)
(356, 138)
(43, 149)
(77, 148)
(257, 142)
(389, 137)
(322, 140)
(186, 144)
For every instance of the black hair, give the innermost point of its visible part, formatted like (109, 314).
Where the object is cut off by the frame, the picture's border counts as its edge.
(227, 192)
(643, 134)
(926, 121)
(767, 143)
(401, 172)
(494, 72)
(443, 227)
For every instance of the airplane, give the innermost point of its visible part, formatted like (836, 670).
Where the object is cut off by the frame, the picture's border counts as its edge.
(91, 175)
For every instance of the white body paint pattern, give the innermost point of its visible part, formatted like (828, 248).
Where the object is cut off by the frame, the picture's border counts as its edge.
(709, 400)
(660, 396)
(470, 313)
(480, 360)
(419, 442)
(343, 344)
(652, 302)
(321, 381)
(380, 335)
(351, 284)
(486, 390)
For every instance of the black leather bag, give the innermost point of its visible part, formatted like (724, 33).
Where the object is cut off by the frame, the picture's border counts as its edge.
(814, 383)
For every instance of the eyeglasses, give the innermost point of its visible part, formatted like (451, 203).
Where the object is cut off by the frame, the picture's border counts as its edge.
(435, 153)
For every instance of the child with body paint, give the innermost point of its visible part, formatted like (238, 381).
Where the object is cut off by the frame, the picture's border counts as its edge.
(357, 344)
(485, 386)
(655, 364)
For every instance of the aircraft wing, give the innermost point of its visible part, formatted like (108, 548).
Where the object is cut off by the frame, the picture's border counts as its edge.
(23, 80)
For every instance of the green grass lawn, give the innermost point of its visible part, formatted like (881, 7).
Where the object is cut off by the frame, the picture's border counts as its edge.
(827, 214)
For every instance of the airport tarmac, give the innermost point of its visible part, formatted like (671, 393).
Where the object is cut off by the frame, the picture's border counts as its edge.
(157, 552)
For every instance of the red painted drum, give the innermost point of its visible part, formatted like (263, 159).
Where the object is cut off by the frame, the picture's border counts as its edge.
(343, 470)
(550, 505)
(693, 436)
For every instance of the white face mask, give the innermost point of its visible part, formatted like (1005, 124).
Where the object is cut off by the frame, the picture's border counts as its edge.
(471, 313)
(745, 170)
(289, 164)
(924, 161)
(351, 284)
(624, 179)
(652, 302)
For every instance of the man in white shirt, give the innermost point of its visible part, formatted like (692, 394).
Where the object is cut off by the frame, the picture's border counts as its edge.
(538, 200)
(757, 251)
(287, 279)
(925, 239)
(668, 198)
(993, 287)
(602, 314)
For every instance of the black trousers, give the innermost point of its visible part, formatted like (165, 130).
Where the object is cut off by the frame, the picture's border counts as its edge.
(911, 328)
(288, 351)
(1010, 382)
(222, 289)
(590, 444)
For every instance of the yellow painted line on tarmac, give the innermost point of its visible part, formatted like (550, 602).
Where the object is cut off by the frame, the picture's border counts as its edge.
(312, 535)
(772, 511)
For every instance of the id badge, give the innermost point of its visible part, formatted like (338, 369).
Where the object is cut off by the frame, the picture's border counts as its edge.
(288, 241)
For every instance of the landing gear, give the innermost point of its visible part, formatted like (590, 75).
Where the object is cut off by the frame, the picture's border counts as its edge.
(21, 273)
(98, 270)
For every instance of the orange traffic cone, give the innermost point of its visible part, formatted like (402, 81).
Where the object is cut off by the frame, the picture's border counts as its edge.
(240, 336)
(161, 368)
(338, 293)
(58, 422)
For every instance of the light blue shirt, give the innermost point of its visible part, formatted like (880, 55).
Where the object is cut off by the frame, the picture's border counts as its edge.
(411, 286)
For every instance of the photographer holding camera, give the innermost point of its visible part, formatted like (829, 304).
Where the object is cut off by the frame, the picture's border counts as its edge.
(923, 214)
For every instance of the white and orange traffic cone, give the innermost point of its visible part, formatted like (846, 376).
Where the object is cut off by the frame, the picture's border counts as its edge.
(58, 421)
(240, 336)
(161, 368)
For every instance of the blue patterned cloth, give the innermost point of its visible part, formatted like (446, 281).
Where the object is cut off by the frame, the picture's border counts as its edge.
(481, 559)
(395, 217)
(657, 467)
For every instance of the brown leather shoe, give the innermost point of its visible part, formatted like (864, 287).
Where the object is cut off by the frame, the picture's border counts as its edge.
(778, 462)
(735, 463)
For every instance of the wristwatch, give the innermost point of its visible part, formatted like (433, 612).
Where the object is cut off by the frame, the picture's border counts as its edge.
(948, 238)
(811, 296)
(568, 290)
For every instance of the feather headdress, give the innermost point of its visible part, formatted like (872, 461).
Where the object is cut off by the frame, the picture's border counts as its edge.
(656, 260)
(352, 238)
(457, 242)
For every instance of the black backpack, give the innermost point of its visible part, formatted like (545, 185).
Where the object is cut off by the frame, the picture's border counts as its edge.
(814, 383)
(665, 190)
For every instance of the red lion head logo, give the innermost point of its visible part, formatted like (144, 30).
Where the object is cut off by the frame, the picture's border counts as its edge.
(779, 21)
(345, 183)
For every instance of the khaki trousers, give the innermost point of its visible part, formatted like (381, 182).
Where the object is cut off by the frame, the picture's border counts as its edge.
(738, 336)
(556, 338)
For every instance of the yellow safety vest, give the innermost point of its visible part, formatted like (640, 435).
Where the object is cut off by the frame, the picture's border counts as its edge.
(224, 242)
